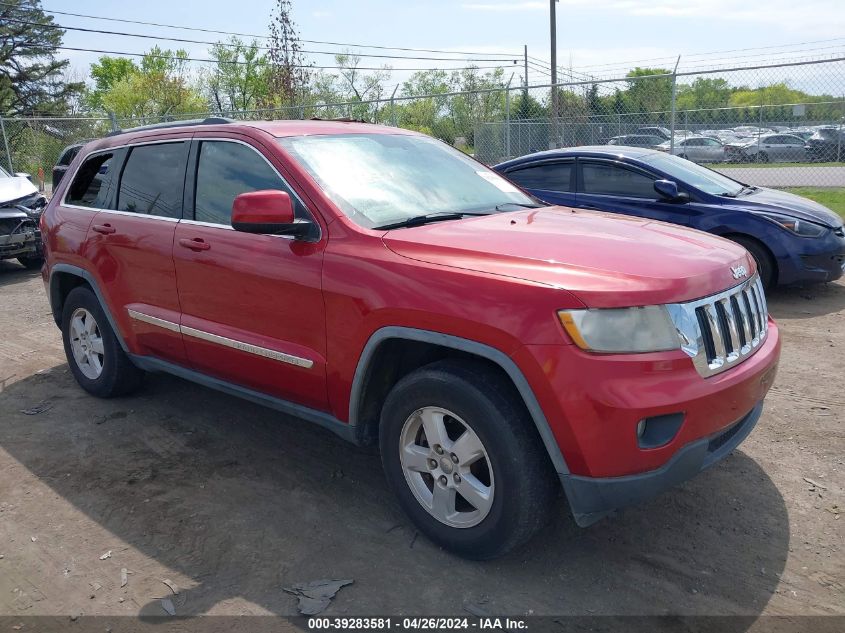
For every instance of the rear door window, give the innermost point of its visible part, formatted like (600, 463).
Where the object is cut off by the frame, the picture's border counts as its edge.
(548, 177)
(153, 179)
(90, 184)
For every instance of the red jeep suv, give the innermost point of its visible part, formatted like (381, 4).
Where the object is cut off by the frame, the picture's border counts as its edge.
(385, 286)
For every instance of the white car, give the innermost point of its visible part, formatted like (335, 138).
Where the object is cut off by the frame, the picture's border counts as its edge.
(21, 205)
(699, 149)
(774, 148)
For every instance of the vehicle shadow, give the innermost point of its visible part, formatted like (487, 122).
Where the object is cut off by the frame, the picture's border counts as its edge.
(11, 272)
(245, 502)
(802, 302)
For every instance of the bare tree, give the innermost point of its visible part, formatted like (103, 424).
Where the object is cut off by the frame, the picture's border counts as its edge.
(289, 73)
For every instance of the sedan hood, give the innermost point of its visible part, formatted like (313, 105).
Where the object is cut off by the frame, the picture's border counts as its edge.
(790, 204)
(15, 188)
(606, 260)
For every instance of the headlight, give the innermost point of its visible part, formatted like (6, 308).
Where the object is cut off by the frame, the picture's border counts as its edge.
(621, 330)
(799, 227)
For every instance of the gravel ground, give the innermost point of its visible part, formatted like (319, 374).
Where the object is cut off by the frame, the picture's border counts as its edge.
(229, 503)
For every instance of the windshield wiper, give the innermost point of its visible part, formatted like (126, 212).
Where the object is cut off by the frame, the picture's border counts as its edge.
(747, 189)
(523, 205)
(419, 220)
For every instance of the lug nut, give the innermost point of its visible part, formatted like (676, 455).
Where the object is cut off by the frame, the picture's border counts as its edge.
(432, 463)
(457, 478)
(454, 458)
(438, 449)
(442, 480)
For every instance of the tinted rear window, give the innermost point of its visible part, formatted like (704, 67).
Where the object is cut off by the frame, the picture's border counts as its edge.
(152, 180)
(550, 177)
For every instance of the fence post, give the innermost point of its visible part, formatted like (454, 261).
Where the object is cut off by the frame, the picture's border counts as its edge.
(393, 106)
(6, 144)
(839, 135)
(508, 118)
(674, 100)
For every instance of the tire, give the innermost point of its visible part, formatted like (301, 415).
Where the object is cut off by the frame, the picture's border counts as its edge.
(513, 469)
(766, 266)
(31, 263)
(107, 374)
(762, 157)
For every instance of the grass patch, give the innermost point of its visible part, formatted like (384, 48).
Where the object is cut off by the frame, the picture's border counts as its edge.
(771, 165)
(831, 197)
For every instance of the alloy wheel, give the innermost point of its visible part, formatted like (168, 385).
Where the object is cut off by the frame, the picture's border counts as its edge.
(86, 343)
(447, 467)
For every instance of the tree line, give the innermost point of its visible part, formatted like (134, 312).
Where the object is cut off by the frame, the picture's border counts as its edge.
(273, 79)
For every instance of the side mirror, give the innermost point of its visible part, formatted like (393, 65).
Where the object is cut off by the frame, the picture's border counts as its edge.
(668, 190)
(269, 212)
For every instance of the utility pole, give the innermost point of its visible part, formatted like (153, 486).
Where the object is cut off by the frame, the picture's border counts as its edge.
(525, 59)
(555, 105)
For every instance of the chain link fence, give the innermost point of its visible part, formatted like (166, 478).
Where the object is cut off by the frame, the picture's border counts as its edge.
(777, 125)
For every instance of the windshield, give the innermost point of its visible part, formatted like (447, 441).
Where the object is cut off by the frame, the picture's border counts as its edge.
(701, 178)
(4, 173)
(380, 179)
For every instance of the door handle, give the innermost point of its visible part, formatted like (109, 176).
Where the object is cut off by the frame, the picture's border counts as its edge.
(196, 244)
(105, 229)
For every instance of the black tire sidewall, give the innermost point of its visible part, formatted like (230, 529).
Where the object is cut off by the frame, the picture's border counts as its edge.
(493, 421)
(761, 258)
(104, 384)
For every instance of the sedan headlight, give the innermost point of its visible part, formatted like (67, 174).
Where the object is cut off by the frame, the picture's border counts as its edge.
(799, 227)
(621, 330)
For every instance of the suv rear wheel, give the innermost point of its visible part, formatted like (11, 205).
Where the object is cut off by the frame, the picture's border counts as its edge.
(97, 361)
(462, 456)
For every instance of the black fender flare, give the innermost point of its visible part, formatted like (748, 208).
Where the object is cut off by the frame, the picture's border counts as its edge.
(471, 347)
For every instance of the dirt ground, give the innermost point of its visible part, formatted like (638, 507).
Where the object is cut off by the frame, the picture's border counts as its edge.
(230, 502)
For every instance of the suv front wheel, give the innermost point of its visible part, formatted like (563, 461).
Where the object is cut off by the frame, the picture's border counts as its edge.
(464, 459)
(97, 361)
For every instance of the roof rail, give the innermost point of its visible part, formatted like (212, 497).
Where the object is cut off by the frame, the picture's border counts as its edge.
(212, 120)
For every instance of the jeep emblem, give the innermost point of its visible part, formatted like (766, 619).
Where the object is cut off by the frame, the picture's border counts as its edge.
(739, 272)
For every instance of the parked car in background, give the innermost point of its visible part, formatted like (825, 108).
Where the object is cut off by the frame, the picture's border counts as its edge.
(792, 239)
(827, 144)
(387, 287)
(65, 159)
(664, 133)
(768, 148)
(700, 149)
(21, 205)
(637, 140)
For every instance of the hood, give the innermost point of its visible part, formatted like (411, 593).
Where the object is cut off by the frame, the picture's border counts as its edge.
(14, 188)
(606, 260)
(789, 204)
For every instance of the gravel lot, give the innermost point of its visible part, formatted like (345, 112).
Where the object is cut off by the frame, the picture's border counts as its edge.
(812, 176)
(230, 503)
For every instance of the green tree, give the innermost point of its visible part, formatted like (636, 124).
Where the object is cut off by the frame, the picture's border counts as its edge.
(240, 79)
(106, 73)
(647, 92)
(158, 89)
(32, 80)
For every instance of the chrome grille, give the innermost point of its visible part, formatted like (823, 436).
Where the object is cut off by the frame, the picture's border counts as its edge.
(719, 331)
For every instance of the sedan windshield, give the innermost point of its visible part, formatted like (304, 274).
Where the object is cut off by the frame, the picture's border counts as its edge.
(695, 175)
(384, 179)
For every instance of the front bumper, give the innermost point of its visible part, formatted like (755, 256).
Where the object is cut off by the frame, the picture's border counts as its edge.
(813, 260)
(591, 498)
(19, 244)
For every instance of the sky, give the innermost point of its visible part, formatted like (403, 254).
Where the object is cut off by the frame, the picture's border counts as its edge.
(597, 37)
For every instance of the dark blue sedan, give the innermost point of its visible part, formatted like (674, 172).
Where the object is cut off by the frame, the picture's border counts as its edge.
(793, 240)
